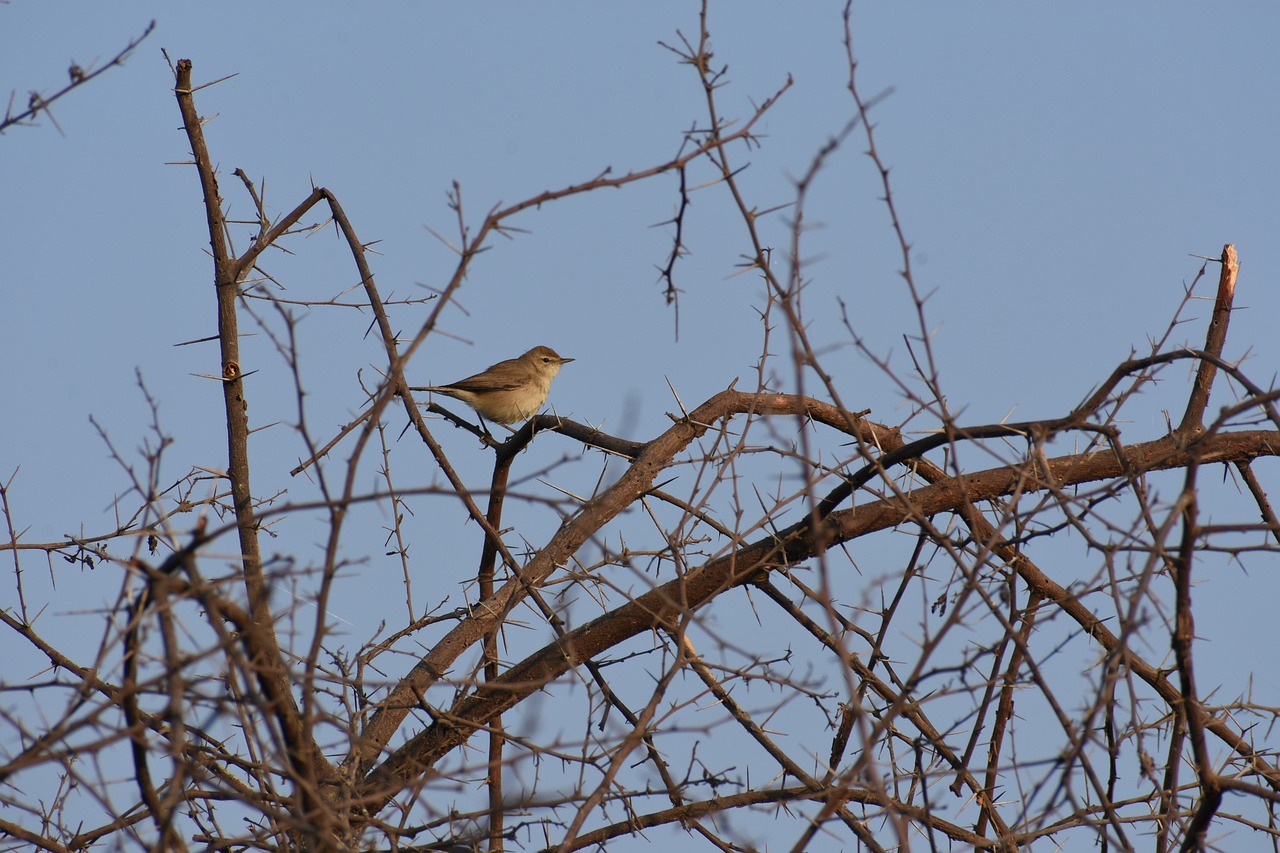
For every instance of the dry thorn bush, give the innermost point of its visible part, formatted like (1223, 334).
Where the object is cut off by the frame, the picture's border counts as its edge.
(923, 669)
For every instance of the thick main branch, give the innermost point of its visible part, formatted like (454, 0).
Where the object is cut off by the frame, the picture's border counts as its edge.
(802, 541)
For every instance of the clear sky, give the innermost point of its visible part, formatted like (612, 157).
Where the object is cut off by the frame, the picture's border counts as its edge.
(1055, 167)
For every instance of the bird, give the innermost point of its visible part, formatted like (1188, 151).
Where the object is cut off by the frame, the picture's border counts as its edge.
(509, 391)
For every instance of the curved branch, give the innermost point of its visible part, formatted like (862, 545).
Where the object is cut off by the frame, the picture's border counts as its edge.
(662, 606)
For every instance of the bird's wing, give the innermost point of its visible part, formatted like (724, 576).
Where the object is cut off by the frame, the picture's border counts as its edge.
(483, 382)
(479, 384)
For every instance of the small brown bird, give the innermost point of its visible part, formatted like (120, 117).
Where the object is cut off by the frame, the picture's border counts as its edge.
(510, 390)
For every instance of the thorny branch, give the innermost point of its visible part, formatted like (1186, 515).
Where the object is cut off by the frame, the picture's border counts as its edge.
(841, 713)
(38, 103)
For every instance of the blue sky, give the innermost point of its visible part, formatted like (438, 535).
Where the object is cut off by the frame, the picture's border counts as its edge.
(1055, 168)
